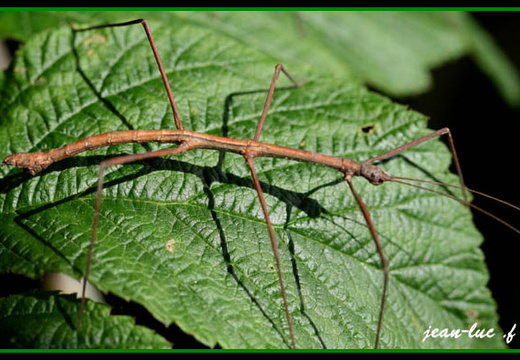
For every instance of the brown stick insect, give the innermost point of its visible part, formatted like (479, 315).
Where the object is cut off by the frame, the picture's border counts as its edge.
(251, 150)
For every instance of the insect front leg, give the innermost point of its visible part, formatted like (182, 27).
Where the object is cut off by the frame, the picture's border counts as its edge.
(162, 71)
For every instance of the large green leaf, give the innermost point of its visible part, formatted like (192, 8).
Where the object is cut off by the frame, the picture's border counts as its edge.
(392, 51)
(185, 235)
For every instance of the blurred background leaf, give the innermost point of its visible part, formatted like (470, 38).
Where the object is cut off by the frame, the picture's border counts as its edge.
(391, 51)
(40, 320)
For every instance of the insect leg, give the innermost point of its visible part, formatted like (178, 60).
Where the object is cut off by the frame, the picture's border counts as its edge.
(443, 131)
(382, 257)
(120, 160)
(151, 40)
(277, 69)
(274, 244)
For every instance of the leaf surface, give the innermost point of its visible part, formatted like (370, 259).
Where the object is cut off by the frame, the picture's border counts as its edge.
(185, 236)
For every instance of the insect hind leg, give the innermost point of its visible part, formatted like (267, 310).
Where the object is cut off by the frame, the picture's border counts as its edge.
(120, 160)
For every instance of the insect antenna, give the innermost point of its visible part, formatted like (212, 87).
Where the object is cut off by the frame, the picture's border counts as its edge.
(408, 181)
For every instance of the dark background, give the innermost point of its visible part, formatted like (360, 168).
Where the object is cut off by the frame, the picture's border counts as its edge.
(486, 133)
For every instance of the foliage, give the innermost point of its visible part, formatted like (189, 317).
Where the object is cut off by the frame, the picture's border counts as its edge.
(185, 237)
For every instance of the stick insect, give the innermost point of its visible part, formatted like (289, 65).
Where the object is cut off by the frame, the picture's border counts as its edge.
(249, 149)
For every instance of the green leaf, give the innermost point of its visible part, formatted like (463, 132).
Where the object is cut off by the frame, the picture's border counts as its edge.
(392, 51)
(185, 236)
(367, 45)
(48, 321)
